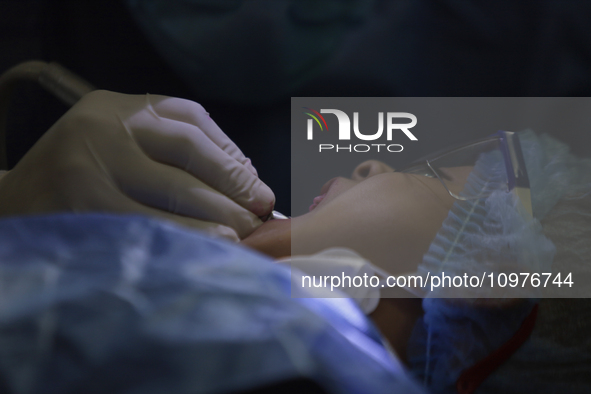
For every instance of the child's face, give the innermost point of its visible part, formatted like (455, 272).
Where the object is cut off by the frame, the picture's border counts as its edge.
(388, 217)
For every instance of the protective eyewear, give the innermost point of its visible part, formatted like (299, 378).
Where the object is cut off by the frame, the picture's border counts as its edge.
(503, 149)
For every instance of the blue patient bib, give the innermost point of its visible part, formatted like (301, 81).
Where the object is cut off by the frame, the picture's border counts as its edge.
(110, 304)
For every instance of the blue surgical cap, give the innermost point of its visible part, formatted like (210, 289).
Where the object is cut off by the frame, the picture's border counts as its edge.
(481, 236)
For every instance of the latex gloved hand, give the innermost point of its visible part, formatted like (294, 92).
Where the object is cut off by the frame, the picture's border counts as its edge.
(147, 154)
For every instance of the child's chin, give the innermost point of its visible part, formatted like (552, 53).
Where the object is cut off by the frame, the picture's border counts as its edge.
(272, 238)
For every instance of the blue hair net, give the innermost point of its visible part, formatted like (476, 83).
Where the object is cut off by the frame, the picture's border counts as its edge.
(489, 235)
(557, 357)
(123, 304)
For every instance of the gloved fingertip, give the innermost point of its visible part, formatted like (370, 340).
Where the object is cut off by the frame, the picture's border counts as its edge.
(223, 232)
(263, 202)
(265, 218)
(248, 224)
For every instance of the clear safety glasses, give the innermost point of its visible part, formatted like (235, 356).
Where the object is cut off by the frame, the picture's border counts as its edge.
(501, 150)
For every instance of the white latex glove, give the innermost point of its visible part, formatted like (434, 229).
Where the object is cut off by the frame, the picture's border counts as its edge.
(147, 154)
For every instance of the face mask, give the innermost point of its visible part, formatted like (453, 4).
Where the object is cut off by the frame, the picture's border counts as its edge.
(339, 262)
(247, 51)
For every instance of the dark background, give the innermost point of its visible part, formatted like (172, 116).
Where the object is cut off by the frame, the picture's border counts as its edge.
(402, 48)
